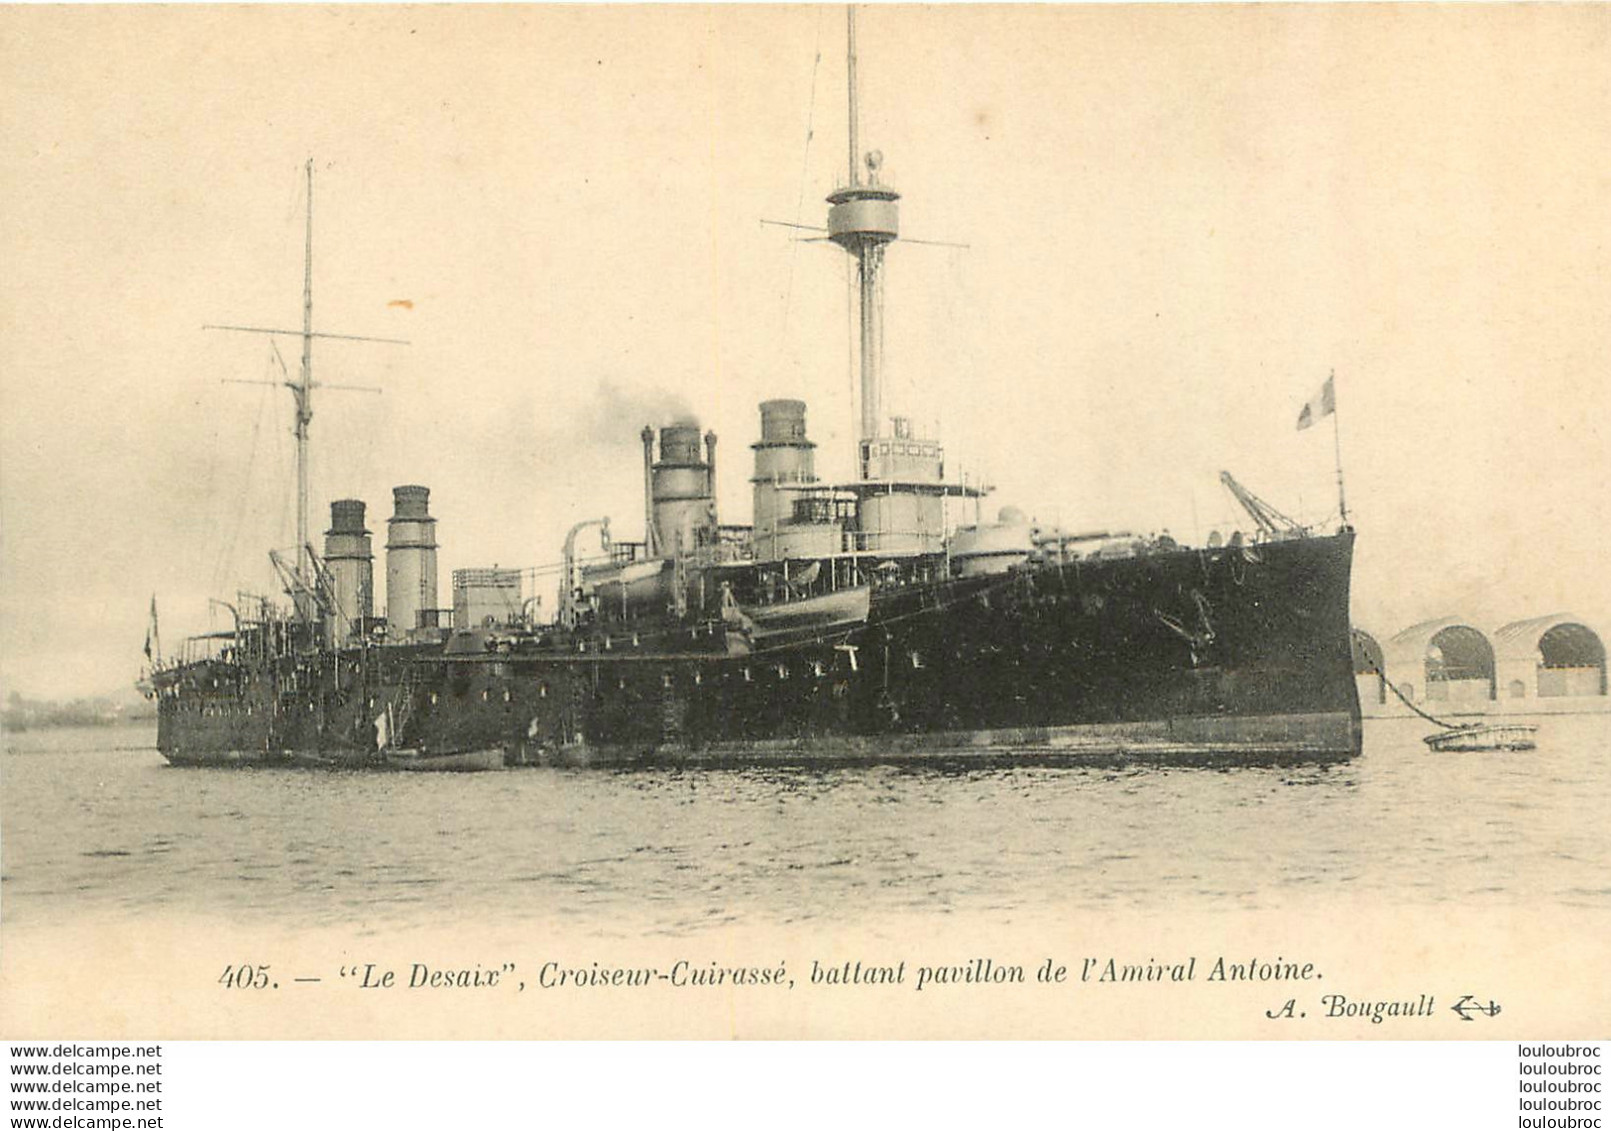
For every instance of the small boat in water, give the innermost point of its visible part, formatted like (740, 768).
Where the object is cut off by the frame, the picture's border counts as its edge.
(1484, 736)
(459, 762)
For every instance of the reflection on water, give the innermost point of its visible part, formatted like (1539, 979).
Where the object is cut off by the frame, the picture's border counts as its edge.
(94, 820)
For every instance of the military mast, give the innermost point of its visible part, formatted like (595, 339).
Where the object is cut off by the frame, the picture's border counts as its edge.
(899, 482)
(863, 219)
(303, 392)
(304, 581)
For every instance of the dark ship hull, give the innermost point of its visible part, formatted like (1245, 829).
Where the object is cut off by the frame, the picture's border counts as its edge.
(1185, 655)
(848, 622)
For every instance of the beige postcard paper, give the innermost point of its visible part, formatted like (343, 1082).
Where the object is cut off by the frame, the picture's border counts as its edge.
(1133, 245)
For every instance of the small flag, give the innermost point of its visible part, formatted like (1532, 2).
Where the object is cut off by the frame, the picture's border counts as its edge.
(151, 628)
(1324, 404)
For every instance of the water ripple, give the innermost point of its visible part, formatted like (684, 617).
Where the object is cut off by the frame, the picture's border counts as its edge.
(692, 848)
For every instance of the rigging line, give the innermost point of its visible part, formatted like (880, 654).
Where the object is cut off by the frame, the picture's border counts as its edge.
(799, 203)
(226, 558)
(852, 338)
(283, 472)
(945, 603)
(959, 324)
(799, 200)
(309, 334)
(208, 477)
(292, 212)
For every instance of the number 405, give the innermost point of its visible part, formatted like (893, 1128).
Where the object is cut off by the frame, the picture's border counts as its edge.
(245, 977)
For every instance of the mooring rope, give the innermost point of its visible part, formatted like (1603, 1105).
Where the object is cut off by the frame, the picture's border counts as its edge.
(1381, 672)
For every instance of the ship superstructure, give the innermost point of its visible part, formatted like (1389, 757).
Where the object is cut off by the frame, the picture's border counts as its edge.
(848, 621)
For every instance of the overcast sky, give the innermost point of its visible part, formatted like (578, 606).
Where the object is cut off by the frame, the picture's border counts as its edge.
(1178, 221)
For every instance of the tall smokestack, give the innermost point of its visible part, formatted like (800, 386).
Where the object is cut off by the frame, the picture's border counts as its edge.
(785, 466)
(410, 562)
(351, 562)
(710, 463)
(684, 512)
(650, 548)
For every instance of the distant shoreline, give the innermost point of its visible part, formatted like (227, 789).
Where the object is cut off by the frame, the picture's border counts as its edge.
(122, 736)
(23, 714)
(16, 722)
(65, 724)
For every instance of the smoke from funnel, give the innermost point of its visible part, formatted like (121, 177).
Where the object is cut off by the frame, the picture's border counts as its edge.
(614, 413)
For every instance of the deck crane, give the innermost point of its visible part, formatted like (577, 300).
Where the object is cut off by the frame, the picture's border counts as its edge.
(570, 583)
(1272, 524)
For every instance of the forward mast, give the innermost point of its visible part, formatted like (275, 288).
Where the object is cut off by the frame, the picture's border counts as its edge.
(306, 580)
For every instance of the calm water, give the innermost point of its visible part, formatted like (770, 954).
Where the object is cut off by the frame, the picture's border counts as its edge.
(93, 820)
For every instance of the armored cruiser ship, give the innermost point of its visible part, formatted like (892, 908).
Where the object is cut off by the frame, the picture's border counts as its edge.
(854, 621)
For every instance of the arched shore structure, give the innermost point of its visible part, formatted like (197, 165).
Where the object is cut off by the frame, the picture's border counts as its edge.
(1547, 664)
(1443, 661)
(1553, 657)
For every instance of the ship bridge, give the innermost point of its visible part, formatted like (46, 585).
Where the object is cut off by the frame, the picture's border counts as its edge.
(900, 493)
(900, 489)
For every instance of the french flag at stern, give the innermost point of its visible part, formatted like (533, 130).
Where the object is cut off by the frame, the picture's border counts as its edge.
(1323, 404)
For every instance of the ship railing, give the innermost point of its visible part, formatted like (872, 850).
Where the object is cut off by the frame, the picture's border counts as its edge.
(866, 542)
